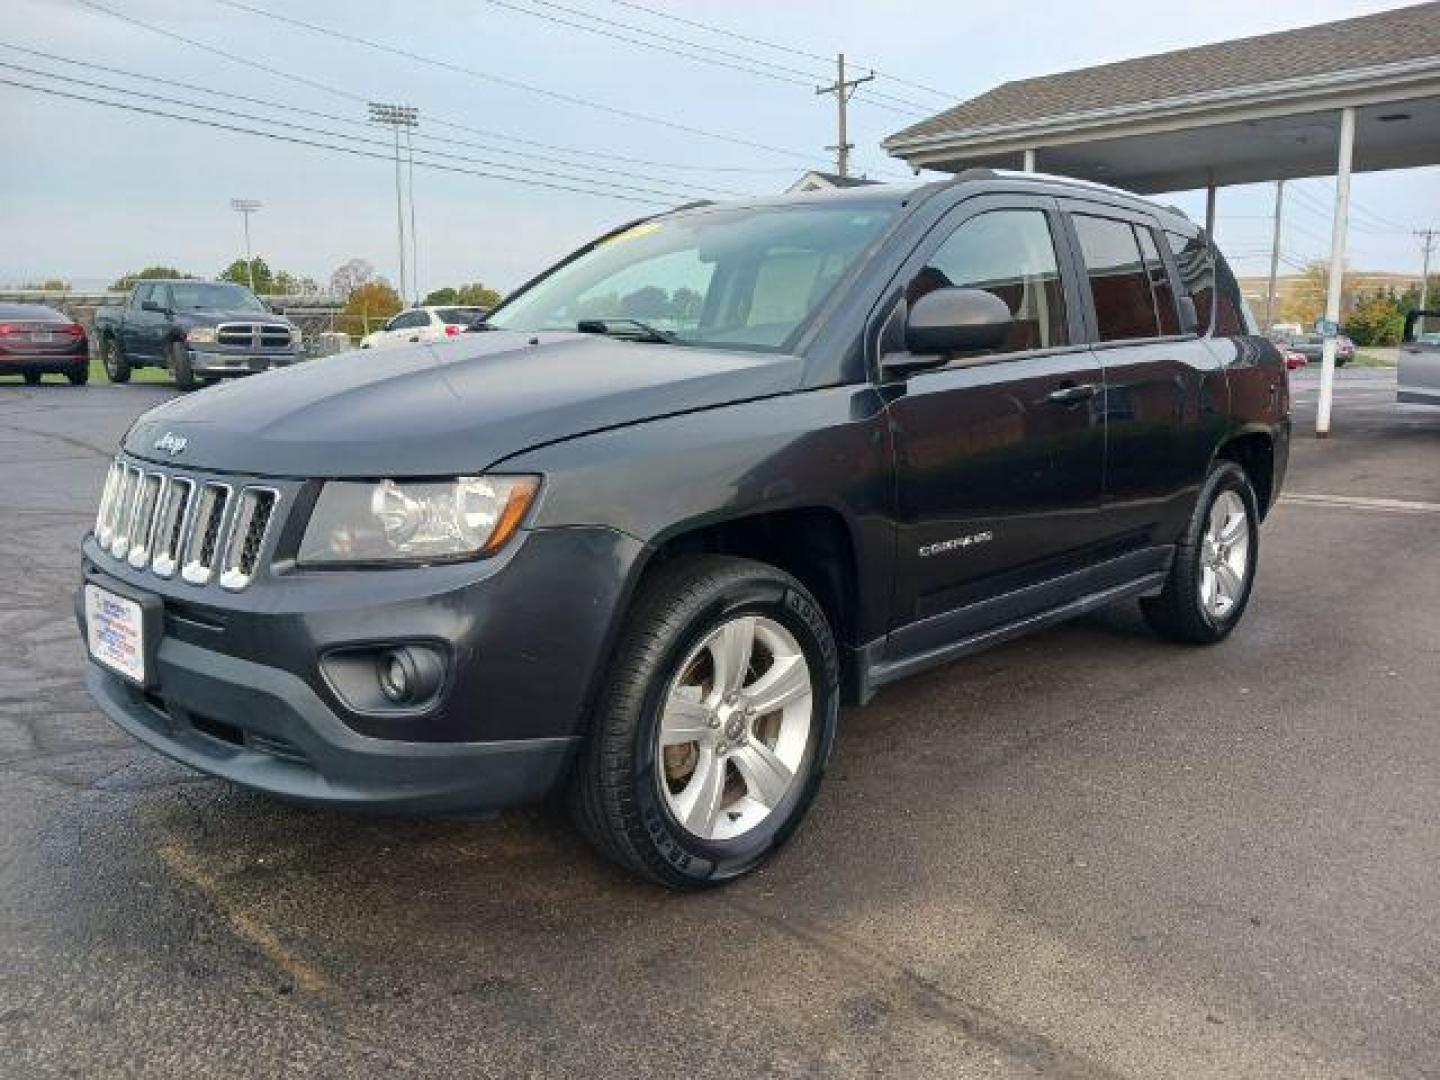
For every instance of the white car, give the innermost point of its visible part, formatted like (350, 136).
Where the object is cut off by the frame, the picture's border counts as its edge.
(422, 324)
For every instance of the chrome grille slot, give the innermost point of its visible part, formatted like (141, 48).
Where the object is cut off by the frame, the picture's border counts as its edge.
(170, 525)
(253, 512)
(205, 530)
(125, 511)
(142, 530)
(203, 544)
(103, 530)
(253, 335)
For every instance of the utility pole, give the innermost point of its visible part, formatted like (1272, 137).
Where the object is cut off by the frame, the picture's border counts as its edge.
(1274, 258)
(397, 117)
(843, 92)
(246, 207)
(1427, 245)
(414, 244)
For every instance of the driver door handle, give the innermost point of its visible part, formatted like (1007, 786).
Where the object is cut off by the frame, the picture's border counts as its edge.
(1069, 395)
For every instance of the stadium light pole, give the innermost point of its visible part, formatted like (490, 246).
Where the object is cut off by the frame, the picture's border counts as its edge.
(246, 207)
(397, 117)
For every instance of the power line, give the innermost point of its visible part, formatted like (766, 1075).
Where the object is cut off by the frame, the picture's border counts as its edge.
(295, 140)
(483, 76)
(361, 99)
(735, 34)
(525, 171)
(692, 50)
(353, 121)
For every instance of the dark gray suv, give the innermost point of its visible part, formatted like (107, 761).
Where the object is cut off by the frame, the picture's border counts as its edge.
(636, 537)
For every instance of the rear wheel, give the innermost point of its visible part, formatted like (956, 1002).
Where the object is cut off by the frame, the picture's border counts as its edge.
(1214, 568)
(712, 733)
(112, 359)
(78, 377)
(180, 369)
(32, 378)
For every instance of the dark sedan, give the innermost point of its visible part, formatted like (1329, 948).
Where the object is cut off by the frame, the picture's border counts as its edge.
(36, 340)
(1312, 347)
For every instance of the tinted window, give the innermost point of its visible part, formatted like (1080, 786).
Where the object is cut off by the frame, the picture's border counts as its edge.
(459, 316)
(209, 296)
(1011, 254)
(1119, 283)
(1159, 282)
(31, 313)
(409, 320)
(1232, 318)
(142, 294)
(1197, 276)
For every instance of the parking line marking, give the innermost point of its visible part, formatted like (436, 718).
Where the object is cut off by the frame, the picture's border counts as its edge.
(1355, 502)
(247, 927)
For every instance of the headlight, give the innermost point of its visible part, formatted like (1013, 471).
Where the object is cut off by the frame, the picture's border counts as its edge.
(200, 335)
(423, 521)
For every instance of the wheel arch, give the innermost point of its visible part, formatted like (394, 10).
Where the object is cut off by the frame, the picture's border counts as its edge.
(1253, 449)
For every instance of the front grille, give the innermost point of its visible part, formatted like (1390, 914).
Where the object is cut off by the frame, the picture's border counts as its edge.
(167, 522)
(253, 335)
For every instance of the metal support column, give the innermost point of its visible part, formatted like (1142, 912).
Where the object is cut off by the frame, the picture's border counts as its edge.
(1029, 163)
(1337, 270)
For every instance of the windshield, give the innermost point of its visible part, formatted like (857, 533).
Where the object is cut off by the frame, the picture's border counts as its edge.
(203, 296)
(745, 277)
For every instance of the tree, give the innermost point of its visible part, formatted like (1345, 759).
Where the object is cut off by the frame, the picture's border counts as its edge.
(368, 304)
(473, 295)
(1376, 320)
(150, 273)
(288, 284)
(350, 276)
(239, 273)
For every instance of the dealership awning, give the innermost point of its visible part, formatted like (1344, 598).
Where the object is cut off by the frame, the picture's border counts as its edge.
(1328, 100)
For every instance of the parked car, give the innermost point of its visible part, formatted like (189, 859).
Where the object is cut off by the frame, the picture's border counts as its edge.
(1312, 347)
(36, 341)
(879, 429)
(1418, 375)
(197, 329)
(1294, 361)
(423, 324)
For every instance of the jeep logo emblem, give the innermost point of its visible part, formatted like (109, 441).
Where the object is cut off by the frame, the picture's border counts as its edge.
(171, 444)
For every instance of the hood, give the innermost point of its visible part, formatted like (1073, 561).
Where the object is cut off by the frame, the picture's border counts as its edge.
(456, 407)
(216, 316)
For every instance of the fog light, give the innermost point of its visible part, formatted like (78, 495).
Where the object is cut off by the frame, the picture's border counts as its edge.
(408, 674)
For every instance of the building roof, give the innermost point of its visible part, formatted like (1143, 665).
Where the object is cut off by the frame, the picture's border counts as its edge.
(816, 180)
(1369, 41)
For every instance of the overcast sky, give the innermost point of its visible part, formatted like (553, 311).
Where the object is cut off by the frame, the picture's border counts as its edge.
(89, 192)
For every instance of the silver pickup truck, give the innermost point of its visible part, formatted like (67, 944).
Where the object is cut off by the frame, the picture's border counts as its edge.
(1418, 380)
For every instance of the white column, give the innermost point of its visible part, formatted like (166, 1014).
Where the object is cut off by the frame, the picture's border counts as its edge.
(1337, 269)
(1029, 165)
(1210, 212)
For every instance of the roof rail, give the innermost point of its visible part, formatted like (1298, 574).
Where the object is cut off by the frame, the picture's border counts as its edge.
(985, 173)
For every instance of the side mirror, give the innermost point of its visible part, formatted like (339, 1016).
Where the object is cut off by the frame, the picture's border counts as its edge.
(151, 305)
(957, 320)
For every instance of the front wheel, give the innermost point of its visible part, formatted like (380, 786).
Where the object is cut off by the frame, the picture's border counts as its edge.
(1214, 569)
(712, 732)
(112, 359)
(180, 368)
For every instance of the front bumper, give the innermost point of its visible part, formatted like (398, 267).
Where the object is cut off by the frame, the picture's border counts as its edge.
(239, 688)
(266, 729)
(215, 363)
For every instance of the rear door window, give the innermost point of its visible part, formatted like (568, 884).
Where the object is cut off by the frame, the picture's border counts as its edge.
(1119, 281)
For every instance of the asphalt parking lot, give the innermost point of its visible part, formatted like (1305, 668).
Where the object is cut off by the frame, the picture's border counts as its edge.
(1083, 854)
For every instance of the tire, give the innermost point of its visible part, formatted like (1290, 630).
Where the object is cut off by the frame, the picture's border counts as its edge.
(79, 377)
(180, 369)
(32, 378)
(1211, 580)
(112, 359)
(627, 793)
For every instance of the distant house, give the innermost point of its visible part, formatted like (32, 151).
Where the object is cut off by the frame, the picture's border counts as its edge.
(824, 181)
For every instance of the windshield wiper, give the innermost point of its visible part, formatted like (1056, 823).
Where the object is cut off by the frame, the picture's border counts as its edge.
(615, 328)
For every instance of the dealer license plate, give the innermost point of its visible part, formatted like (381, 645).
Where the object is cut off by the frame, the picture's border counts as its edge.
(116, 631)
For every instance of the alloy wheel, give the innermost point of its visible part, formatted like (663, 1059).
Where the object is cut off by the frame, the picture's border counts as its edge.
(1224, 555)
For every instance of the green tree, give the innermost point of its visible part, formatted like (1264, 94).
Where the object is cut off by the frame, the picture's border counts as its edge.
(473, 295)
(288, 284)
(127, 282)
(367, 306)
(1376, 320)
(239, 272)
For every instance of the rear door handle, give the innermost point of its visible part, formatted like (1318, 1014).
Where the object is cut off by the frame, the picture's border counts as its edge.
(1069, 395)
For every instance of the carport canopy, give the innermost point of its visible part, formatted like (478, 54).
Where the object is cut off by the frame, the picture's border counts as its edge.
(1361, 94)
